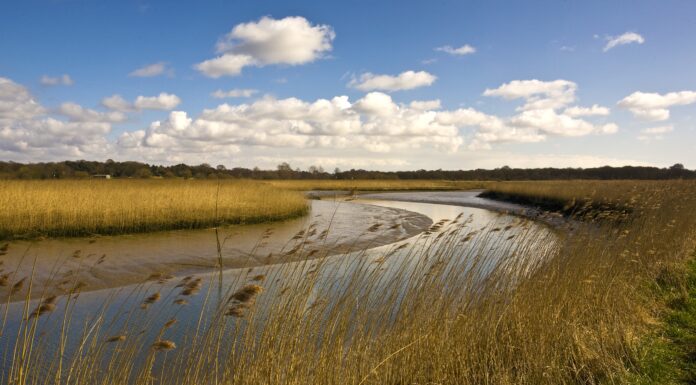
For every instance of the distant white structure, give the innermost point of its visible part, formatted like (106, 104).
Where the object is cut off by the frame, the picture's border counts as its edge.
(102, 176)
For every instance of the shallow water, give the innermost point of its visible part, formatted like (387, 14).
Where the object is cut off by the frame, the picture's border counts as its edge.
(131, 259)
(379, 275)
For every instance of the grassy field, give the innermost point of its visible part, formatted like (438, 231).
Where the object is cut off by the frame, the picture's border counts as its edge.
(71, 208)
(582, 316)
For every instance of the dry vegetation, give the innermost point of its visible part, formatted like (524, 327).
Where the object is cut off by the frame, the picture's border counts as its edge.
(70, 208)
(571, 312)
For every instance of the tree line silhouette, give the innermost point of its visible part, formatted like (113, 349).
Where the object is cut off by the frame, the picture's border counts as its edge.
(88, 169)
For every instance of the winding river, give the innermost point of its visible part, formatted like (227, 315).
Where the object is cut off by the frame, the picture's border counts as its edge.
(340, 244)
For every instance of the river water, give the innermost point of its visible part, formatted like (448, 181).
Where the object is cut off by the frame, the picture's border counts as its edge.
(372, 248)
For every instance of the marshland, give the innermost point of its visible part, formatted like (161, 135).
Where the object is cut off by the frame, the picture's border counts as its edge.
(484, 282)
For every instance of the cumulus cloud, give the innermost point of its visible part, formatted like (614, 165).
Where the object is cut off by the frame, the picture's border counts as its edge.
(234, 93)
(594, 110)
(77, 113)
(466, 49)
(549, 121)
(654, 133)
(16, 103)
(291, 40)
(424, 105)
(537, 93)
(26, 128)
(654, 106)
(626, 38)
(63, 80)
(404, 81)
(117, 103)
(163, 101)
(373, 123)
(151, 70)
(545, 112)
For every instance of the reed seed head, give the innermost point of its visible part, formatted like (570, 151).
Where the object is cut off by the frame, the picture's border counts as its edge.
(163, 345)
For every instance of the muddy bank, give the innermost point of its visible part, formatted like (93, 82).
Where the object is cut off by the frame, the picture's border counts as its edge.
(332, 227)
(471, 198)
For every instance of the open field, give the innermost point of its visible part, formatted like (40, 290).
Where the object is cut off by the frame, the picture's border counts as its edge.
(581, 315)
(73, 207)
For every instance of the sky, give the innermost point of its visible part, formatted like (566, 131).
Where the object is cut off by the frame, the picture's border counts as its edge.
(381, 85)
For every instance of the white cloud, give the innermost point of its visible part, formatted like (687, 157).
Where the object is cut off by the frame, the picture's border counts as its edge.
(658, 130)
(151, 70)
(163, 101)
(404, 81)
(654, 106)
(594, 110)
(322, 128)
(466, 49)
(234, 93)
(16, 103)
(63, 80)
(26, 129)
(373, 123)
(117, 103)
(550, 122)
(626, 38)
(291, 40)
(540, 116)
(537, 94)
(225, 65)
(654, 133)
(425, 105)
(77, 113)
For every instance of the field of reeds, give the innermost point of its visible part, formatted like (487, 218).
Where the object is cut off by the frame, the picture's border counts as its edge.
(576, 310)
(84, 207)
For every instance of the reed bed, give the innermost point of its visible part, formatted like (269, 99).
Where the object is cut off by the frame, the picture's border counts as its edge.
(500, 305)
(77, 207)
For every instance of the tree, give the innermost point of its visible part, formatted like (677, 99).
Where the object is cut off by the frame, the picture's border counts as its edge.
(677, 166)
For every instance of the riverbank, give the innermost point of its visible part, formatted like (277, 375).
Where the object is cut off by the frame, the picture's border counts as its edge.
(668, 354)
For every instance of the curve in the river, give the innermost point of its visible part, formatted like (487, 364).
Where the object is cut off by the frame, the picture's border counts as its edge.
(331, 227)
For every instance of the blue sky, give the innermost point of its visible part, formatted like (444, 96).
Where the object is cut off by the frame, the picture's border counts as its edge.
(334, 82)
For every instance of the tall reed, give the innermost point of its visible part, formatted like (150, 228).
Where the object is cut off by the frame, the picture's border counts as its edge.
(79, 207)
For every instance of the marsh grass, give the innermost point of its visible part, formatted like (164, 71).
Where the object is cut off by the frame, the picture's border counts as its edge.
(78, 207)
(521, 310)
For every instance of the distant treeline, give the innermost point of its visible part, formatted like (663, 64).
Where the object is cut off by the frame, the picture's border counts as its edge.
(87, 169)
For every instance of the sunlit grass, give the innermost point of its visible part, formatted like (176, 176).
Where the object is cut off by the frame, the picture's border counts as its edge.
(70, 208)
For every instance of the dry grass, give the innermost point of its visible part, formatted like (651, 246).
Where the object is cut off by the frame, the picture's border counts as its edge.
(569, 312)
(70, 208)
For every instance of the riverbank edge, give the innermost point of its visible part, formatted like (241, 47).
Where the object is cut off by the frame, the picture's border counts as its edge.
(152, 228)
(667, 355)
